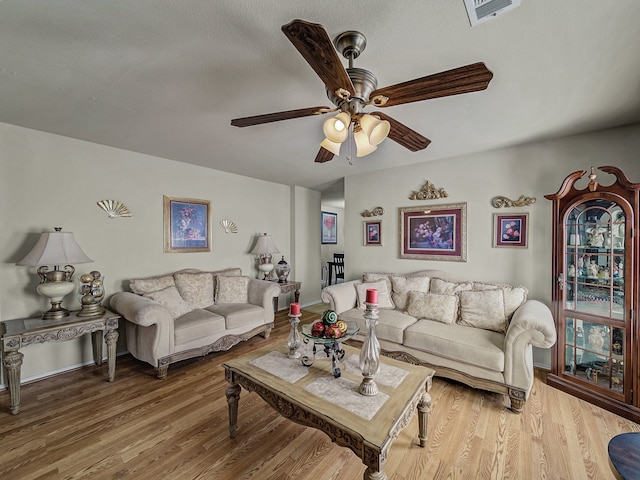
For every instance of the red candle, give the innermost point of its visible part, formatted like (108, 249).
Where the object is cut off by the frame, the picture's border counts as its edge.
(294, 309)
(372, 295)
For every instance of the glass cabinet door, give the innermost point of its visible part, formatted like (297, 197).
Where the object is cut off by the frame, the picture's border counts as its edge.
(594, 294)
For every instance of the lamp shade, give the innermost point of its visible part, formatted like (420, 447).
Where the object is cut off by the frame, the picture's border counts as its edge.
(265, 246)
(333, 147)
(363, 146)
(336, 128)
(55, 248)
(376, 129)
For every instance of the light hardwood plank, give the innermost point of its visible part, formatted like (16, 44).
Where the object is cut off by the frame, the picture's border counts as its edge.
(76, 425)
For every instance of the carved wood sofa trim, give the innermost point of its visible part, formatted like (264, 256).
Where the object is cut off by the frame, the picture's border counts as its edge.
(222, 344)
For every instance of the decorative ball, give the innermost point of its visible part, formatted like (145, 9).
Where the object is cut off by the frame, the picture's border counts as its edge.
(329, 317)
(332, 331)
(86, 278)
(342, 325)
(317, 329)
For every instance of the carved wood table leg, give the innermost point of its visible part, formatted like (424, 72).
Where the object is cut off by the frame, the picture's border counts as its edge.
(424, 407)
(12, 362)
(96, 341)
(233, 398)
(111, 337)
(370, 474)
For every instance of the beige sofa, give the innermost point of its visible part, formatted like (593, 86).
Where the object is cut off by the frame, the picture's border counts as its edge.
(191, 313)
(477, 333)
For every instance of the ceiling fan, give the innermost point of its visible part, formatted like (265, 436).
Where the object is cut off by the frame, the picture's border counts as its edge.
(353, 89)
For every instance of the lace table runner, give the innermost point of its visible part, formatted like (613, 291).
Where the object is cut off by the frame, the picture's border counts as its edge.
(278, 364)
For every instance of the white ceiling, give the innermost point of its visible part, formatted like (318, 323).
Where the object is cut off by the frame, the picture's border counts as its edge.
(165, 77)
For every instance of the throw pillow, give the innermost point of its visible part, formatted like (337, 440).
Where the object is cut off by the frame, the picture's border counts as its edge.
(140, 286)
(483, 309)
(513, 296)
(232, 289)
(384, 298)
(438, 285)
(369, 277)
(171, 299)
(195, 288)
(433, 306)
(403, 285)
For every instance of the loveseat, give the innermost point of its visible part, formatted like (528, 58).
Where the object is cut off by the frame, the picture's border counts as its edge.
(477, 333)
(191, 313)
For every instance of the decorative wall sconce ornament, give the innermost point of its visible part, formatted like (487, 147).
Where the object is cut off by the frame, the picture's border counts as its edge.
(114, 208)
(91, 294)
(428, 192)
(229, 226)
(522, 201)
(373, 213)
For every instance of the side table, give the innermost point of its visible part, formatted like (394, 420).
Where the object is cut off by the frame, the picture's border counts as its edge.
(26, 331)
(290, 286)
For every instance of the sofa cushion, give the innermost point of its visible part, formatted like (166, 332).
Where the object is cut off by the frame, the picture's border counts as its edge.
(232, 289)
(514, 296)
(483, 309)
(141, 286)
(171, 299)
(438, 285)
(384, 294)
(403, 285)
(239, 314)
(482, 348)
(196, 324)
(195, 288)
(368, 277)
(433, 306)
(391, 323)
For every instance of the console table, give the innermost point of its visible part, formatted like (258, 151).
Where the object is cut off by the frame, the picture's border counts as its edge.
(288, 287)
(26, 331)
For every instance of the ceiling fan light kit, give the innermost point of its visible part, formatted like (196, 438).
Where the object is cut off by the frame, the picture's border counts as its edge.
(351, 90)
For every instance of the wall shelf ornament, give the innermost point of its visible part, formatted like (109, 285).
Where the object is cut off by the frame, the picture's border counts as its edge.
(114, 208)
(373, 213)
(428, 192)
(500, 201)
(229, 226)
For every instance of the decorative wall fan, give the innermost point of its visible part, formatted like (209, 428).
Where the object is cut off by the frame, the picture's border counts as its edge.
(353, 89)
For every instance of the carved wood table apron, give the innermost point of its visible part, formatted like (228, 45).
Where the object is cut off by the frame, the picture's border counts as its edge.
(26, 331)
(296, 399)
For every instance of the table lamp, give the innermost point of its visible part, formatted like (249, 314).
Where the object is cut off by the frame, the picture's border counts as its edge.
(55, 249)
(265, 247)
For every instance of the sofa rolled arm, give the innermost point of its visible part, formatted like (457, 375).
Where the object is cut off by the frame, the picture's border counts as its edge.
(140, 310)
(531, 325)
(341, 296)
(261, 292)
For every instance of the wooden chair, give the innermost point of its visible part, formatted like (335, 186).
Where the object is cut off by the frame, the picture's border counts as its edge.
(336, 268)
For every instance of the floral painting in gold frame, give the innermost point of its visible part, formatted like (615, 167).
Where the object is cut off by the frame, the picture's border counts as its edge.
(187, 225)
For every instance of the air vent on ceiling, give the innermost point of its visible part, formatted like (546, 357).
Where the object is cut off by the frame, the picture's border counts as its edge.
(482, 10)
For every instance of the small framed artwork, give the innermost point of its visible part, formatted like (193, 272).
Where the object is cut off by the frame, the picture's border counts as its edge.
(510, 230)
(434, 232)
(187, 225)
(373, 233)
(329, 227)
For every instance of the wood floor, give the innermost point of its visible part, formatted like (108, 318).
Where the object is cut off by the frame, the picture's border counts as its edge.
(77, 425)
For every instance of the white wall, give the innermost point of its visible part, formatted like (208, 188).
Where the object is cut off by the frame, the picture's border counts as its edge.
(532, 170)
(306, 240)
(48, 180)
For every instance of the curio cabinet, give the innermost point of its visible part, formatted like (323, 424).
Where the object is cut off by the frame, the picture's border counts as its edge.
(595, 290)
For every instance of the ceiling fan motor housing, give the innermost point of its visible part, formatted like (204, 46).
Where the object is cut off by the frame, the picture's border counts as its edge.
(364, 82)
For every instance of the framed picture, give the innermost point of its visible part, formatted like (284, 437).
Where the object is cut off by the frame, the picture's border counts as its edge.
(373, 233)
(510, 230)
(329, 227)
(434, 232)
(187, 225)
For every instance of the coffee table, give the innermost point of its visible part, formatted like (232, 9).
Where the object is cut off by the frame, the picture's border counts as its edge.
(366, 425)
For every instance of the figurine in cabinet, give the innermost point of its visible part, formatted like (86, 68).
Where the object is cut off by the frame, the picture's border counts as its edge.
(596, 236)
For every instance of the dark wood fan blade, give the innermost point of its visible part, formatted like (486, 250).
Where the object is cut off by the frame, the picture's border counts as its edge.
(323, 155)
(277, 116)
(403, 135)
(314, 44)
(470, 78)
